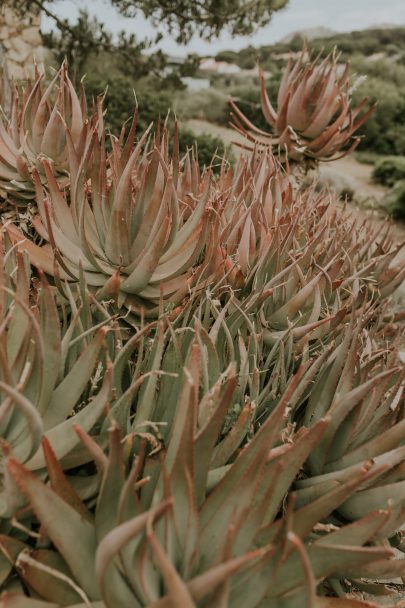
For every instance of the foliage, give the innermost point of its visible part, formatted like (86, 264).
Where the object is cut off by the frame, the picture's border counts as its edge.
(245, 59)
(134, 260)
(208, 149)
(64, 358)
(120, 98)
(151, 104)
(36, 129)
(395, 200)
(384, 133)
(207, 19)
(390, 41)
(367, 158)
(87, 39)
(248, 100)
(210, 105)
(93, 39)
(389, 170)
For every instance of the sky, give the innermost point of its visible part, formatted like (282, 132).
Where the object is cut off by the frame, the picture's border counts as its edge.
(344, 16)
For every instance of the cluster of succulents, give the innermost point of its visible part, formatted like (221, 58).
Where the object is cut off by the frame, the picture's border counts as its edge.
(201, 393)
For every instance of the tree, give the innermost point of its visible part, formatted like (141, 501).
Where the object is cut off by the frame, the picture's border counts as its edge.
(184, 18)
(207, 18)
(88, 37)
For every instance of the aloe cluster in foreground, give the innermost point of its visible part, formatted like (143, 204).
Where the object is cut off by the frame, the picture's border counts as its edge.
(201, 398)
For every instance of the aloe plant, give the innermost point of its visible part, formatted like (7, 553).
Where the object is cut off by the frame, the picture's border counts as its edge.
(314, 262)
(172, 531)
(314, 118)
(35, 130)
(360, 387)
(53, 374)
(129, 233)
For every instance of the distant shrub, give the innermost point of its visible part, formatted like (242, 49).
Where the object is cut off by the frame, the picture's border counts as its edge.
(209, 149)
(120, 102)
(248, 100)
(342, 184)
(365, 42)
(210, 105)
(389, 170)
(396, 201)
(367, 158)
(384, 132)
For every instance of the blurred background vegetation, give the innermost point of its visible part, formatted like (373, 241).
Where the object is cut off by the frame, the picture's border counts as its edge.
(377, 59)
(129, 72)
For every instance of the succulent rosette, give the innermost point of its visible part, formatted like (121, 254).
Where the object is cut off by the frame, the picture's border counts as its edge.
(126, 228)
(36, 130)
(314, 117)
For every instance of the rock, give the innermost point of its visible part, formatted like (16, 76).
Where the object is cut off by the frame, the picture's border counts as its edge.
(21, 42)
(20, 51)
(7, 43)
(8, 16)
(32, 36)
(16, 70)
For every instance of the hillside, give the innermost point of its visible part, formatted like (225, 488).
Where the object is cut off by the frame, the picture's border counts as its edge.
(387, 40)
(310, 34)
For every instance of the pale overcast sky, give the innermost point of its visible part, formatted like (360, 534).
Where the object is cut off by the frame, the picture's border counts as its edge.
(341, 15)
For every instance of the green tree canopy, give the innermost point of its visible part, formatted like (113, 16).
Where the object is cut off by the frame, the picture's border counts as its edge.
(184, 18)
(207, 18)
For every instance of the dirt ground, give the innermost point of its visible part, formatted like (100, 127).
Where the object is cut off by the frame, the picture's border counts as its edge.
(227, 135)
(358, 175)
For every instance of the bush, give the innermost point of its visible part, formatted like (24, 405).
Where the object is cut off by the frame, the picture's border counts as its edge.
(208, 147)
(248, 100)
(389, 170)
(396, 201)
(384, 132)
(367, 158)
(210, 105)
(120, 101)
